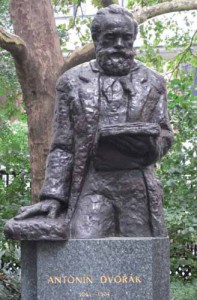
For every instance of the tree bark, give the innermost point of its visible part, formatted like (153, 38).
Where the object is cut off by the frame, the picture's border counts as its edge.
(82, 54)
(34, 22)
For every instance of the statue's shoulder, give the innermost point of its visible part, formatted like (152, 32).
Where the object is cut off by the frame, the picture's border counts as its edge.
(70, 79)
(151, 76)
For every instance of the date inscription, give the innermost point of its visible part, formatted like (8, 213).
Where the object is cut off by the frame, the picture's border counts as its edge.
(96, 294)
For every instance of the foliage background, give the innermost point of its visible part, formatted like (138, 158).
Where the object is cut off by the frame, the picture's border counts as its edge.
(14, 156)
(177, 170)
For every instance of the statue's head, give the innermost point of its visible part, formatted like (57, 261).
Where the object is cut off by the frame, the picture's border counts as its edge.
(114, 31)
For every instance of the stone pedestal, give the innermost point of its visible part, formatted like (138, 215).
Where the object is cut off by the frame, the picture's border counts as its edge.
(116, 268)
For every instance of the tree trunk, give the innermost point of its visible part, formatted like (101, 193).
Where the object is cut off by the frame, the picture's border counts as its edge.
(34, 22)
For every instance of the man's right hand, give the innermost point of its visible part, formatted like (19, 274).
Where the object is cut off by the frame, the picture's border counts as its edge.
(48, 208)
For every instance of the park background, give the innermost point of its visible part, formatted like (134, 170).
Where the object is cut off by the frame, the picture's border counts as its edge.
(167, 42)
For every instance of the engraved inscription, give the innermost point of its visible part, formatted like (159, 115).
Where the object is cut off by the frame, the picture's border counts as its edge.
(120, 279)
(104, 279)
(97, 294)
(70, 279)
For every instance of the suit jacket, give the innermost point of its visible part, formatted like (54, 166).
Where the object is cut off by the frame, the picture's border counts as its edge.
(75, 127)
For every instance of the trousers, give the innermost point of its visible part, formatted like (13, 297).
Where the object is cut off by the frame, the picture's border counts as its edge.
(112, 203)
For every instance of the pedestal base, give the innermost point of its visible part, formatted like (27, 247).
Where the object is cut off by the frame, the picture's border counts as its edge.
(117, 268)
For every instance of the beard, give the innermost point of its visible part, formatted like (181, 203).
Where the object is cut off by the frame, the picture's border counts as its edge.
(115, 62)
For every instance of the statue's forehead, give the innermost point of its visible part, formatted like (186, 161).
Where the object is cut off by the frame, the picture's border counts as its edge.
(114, 21)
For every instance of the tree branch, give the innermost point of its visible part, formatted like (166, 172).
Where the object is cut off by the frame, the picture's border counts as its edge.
(106, 3)
(184, 53)
(144, 14)
(87, 52)
(79, 56)
(13, 44)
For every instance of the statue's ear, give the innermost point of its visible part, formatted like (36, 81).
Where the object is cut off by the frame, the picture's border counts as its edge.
(135, 29)
(95, 38)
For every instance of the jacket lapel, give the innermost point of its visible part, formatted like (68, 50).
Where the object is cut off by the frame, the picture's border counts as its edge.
(139, 95)
(89, 95)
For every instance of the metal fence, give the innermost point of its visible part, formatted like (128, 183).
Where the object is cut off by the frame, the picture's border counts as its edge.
(6, 177)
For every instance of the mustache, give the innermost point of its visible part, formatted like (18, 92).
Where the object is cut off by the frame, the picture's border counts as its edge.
(123, 53)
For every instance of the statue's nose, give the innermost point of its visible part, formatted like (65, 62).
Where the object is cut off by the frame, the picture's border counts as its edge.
(119, 43)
